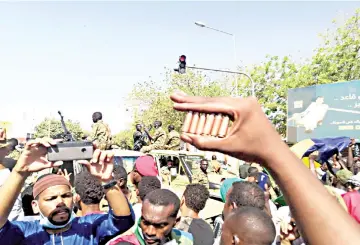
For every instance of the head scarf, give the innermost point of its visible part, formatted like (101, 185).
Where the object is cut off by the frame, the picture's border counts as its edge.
(352, 201)
(146, 166)
(355, 180)
(343, 175)
(226, 185)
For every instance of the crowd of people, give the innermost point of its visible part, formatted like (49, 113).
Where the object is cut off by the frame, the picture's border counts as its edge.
(42, 207)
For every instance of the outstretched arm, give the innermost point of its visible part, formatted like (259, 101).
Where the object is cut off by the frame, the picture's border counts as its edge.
(253, 138)
(31, 160)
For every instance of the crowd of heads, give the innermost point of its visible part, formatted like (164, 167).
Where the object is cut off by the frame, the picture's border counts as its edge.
(246, 216)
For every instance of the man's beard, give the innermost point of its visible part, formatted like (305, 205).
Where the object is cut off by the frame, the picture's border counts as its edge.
(59, 210)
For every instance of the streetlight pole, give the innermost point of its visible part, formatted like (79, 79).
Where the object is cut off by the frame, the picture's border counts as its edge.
(200, 24)
(232, 72)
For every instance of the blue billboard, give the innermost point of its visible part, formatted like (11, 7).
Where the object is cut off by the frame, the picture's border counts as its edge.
(328, 110)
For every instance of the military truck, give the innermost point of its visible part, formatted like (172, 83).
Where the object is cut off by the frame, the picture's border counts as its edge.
(186, 163)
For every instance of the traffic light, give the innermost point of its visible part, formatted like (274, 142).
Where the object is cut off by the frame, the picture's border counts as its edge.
(182, 65)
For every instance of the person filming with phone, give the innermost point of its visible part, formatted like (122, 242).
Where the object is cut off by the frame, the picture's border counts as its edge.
(53, 197)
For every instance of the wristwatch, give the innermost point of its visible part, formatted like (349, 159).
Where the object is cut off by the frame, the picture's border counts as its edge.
(108, 185)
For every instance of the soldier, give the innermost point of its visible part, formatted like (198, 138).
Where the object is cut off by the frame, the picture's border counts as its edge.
(173, 142)
(165, 171)
(101, 134)
(14, 153)
(158, 140)
(124, 145)
(200, 176)
(139, 138)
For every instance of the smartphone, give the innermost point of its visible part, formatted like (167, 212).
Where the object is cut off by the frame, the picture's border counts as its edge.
(69, 151)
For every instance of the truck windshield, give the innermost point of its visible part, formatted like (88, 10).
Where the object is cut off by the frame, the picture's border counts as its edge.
(128, 162)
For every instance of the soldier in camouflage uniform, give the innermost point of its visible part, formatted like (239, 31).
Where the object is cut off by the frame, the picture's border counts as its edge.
(200, 174)
(157, 141)
(139, 138)
(4, 149)
(14, 153)
(173, 141)
(101, 134)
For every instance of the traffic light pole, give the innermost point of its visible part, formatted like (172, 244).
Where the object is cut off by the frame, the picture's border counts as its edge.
(231, 72)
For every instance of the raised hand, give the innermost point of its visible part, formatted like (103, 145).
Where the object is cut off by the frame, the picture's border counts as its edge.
(289, 231)
(101, 165)
(33, 157)
(64, 173)
(251, 137)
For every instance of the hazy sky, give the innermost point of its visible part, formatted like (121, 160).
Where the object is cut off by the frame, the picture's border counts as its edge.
(80, 57)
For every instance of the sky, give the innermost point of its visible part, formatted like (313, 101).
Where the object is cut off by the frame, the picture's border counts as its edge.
(82, 57)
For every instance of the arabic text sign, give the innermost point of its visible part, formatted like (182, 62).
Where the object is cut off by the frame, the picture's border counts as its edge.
(329, 110)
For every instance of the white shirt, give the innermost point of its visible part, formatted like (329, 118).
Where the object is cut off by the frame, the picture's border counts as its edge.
(17, 213)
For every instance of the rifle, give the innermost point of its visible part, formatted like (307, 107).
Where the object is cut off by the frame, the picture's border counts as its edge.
(71, 166)
(67, 135)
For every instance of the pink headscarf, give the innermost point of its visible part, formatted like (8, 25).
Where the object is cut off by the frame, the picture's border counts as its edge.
(352, 201)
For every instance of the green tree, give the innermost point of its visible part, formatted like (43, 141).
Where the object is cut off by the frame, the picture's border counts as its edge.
(335, 60)
(54, 127)
(125, 135)
(272, 80)
(153, 97)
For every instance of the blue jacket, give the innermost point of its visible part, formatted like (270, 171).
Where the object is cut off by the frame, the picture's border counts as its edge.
(90, 229)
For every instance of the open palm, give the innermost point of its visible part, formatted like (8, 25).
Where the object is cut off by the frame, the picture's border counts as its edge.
(33, 157)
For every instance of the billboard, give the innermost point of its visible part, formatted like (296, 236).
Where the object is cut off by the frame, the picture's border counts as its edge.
(328, 110)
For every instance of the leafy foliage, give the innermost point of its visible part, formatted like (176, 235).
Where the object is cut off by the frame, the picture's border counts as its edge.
(124, 136)
(336, 59)
(54, 127)
(154, 99)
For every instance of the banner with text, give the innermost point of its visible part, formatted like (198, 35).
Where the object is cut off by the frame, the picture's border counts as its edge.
(328, 110)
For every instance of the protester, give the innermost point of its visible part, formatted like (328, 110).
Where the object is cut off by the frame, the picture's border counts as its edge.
(156, 225)
(226, 185)
(89, 193)
(244, 194)
(252, 170)
(248, 225)
(144, 166)
(352, 201)
(121, 176)
(353, 183)
(193, 201)
(243, 170)
(16, 212)
(54, 198)
(253, 138)
(31, 213)
(239, 194)
(146, 185)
